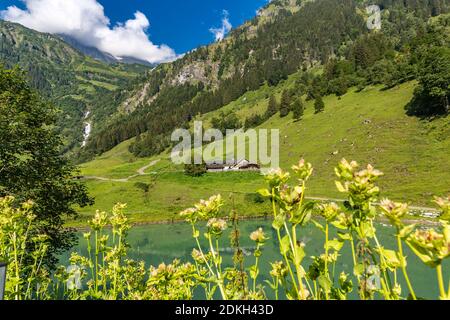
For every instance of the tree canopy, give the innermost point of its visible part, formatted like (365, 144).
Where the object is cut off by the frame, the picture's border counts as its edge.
(31, 165)
(432, 95)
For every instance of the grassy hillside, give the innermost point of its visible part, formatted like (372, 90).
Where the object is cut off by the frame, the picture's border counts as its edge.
(285, 36)
(368, 126)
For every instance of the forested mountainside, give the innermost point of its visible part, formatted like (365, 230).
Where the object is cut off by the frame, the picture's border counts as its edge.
(79, 85)
(327, 39)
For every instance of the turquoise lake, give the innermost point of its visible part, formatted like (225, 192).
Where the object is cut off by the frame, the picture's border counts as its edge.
(155, 244)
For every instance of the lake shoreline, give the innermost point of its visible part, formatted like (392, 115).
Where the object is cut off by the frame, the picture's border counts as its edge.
(421, 221)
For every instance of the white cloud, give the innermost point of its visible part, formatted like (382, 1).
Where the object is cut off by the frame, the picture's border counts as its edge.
(85, 21)
(219, 33)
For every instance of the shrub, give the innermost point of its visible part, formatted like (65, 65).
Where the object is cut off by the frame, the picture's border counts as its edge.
(319, 106)
(195, 170)
(145, 187)
(255, 198)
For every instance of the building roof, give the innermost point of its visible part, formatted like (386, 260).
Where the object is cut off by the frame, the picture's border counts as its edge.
(242, 164)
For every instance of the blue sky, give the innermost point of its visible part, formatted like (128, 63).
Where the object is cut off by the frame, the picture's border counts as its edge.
(180, 24)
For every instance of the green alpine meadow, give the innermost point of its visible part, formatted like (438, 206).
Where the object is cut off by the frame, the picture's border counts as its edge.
(301, 151)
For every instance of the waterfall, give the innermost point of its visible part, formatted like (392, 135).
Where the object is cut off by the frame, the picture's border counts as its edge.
(87, 129)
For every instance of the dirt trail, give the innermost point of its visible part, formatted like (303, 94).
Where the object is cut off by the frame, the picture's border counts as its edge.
(140, 172)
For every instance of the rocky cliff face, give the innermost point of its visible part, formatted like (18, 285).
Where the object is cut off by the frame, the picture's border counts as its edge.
(203, 65)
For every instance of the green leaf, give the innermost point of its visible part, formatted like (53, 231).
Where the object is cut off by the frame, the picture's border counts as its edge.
(423, 254)
(299, 255)
(212, 291)
(303, 215)
(264, 193)
(344, 236)
(445, 216)
(318, 225)
(358, 270)
(340, 187)
(392, 258)
(406, 231)
(292, 294)
(365, 230)
(335, 245)
(270, 284)
(285, 245)
(254, 272)
(278, 222)
(324, 283)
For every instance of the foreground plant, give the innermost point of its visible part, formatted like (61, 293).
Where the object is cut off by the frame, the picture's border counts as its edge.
(433, 247)
(290, 212)
(24, 249)
(107, 273)
(209, 261)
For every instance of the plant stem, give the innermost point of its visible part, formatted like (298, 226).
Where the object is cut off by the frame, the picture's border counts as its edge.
(89, 248)
(403, 263)
(383, 263)
(316, 294)
(276, 288)
(218, 254)
(448, 295)
(25, 239)
(274, 209)
(326, 257)
(293, 242)
(440, 281)
(16, 264)
(115, 270)
(217, 265)
(363, 297)
(256, 268)
(353, 250)
(209, 267)
(288, 264)
(96, 261)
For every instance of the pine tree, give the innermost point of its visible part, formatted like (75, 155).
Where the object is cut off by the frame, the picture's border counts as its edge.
(272, 107)
(319, 106)
(298, 109)
(285, 104)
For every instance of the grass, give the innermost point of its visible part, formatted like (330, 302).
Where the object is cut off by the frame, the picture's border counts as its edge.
(98, 68)
(368, 126)
(118, 163)
(173, 192)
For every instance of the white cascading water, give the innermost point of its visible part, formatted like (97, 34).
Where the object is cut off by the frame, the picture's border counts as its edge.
(87, 130)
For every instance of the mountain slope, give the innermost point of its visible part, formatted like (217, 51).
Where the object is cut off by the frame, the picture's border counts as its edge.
(368, 126)
(70, 79)
(285, 37)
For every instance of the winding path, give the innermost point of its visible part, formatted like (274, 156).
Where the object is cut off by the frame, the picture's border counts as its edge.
(140, 172)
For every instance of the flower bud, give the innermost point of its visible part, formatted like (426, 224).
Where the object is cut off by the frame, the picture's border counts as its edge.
(303, 170)
(394, 211)
(258, 236)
